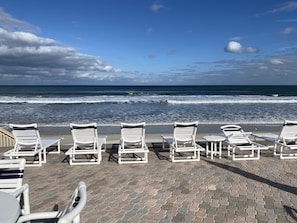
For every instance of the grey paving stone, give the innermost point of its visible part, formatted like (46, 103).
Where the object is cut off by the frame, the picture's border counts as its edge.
(218, 190)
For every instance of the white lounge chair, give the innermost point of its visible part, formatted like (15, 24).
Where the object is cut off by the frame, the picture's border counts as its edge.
(87, 146)
(70, 214)
(182, 145)
(239, 144)
(28, 143)
(132, 147)
(287, 141)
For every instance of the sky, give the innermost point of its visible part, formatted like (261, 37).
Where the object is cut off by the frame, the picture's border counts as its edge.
(144, 42)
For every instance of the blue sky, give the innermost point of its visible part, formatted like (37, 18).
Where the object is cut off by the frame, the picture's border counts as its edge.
(141, 42)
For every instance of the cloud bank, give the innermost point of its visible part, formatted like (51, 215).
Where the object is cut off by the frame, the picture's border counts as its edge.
(235, 47)
(36, 59)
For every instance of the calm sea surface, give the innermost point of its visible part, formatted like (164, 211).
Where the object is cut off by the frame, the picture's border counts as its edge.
(110, 105)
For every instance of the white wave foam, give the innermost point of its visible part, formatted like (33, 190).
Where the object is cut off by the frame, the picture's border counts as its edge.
(161, 99)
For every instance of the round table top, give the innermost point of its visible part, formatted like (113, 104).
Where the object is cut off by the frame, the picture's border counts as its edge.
(9, 208)
(214, 138)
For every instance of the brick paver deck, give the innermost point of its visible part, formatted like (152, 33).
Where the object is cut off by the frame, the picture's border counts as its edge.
(218, 190)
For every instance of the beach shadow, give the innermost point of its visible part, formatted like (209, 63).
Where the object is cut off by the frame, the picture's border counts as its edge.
(291, 211)
(162, 154)
(112, 153)
(284, 187)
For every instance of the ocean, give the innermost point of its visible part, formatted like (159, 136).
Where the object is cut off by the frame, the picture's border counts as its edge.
(110, 105)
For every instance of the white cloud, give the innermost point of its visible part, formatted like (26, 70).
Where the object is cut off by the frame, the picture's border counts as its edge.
(235, 47)
(251, 50)
(284, 7)
(149, 30)
(276, 61)
(9, 23)
(236, 38)
(13, 39)
(25, 55)
(287, 31)
(156, 7)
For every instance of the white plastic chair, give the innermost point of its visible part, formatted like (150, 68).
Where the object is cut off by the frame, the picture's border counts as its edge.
(87, 146)
(70, 214)
(11, 181)
(28, 143)
(239, 143)
(182, 145)
(132, 147)
(11, 174)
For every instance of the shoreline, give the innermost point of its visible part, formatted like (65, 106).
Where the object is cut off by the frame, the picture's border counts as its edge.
(165, 128)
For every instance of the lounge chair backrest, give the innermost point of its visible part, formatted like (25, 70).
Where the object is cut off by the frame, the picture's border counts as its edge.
(235, 134)
(78, 201)
(84, 133)
(26, 136)
(11, 174)
(185, 131)
(133, 132)
(289, 131)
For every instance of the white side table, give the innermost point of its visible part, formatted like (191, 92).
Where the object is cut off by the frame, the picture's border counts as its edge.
(213, 140)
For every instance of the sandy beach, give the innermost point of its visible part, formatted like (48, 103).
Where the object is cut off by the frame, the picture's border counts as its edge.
(218, 190)
(154, 131)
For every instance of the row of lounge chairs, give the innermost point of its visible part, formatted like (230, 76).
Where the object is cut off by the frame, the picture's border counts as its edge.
(88, 146)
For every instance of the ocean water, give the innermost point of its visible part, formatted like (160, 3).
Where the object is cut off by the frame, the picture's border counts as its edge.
(110, 105)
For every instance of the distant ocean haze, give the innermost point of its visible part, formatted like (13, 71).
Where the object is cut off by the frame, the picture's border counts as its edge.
(110, 105)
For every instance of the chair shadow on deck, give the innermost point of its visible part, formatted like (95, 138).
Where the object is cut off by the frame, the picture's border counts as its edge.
(291, 211)
(280, 186)
(161, 153)
(113, 153)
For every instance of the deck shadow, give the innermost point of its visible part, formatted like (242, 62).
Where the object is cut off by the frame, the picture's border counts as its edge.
(291, 211)
(159, 150)
(284, 187)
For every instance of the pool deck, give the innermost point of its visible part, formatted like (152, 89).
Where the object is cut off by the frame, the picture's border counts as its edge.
(218, 190)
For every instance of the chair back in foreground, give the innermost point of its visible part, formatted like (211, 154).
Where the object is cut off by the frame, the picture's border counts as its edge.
(28, 143)
(184, 147)
(132, 147)
(239, 144)
(11, 174)
(71, 214)
(87, 146)
(287, 140)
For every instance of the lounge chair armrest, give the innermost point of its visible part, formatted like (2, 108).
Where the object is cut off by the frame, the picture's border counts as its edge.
(38, 216)
(201, 148)
(23, 191)
(20, 190)
(288, 138)
(283, 144)
(260, 145)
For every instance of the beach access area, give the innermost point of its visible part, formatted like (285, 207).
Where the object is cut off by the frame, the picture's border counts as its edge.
(218, 190)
